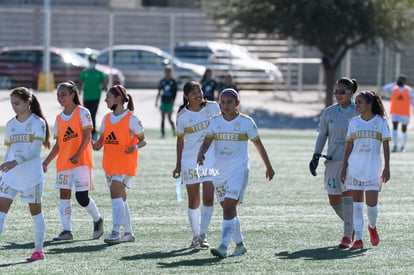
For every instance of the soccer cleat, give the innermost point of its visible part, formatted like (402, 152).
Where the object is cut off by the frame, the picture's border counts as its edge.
(394, 149)
(220, 252)
(37, 255)
(128, 237)
(65, 235)
(239, 250)
(373, 234)
(203, 242)
(345, 243)
(97, 229)
(358, 244)
(195, 243)
(402, 149)
(113, 238)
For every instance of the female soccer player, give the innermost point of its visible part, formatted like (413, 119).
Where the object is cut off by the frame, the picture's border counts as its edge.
(22, 169)
(121, 135)
(192, 121)
(231, 132)
(362, 164)
(333, 125)
(74, 166)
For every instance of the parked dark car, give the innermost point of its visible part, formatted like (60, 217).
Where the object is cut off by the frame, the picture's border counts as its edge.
(21, 65)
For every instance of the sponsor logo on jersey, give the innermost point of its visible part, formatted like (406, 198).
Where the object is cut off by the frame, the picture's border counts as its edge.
(230, 136)
(111, 139)
(21, 138)
(69, 134)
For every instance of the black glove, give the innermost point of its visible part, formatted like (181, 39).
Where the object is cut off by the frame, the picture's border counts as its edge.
(313, 164)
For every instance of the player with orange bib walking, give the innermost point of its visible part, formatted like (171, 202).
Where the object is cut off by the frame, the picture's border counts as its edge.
(121, 135)
(73, 149)
(402, 98)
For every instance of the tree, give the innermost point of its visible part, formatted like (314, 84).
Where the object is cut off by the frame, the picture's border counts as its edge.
(332, 26)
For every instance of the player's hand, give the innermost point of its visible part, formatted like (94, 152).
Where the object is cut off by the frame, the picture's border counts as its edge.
(385, 177)
(313, 164)
(131, 149)
(7, 166)
(270, 173)
(44, 166)
(177, 172)
(200, 159)
(343, 175)
(74, 159)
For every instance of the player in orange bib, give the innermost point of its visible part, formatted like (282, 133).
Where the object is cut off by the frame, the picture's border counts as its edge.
(121, 135)
(73, 149)
(402, 98)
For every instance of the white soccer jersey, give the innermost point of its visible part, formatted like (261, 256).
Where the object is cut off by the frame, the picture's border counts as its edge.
(365, 161)
(85, 116)
(230, 142)
(135, 125)
(333, 126)
(193, 126)
(24, 141)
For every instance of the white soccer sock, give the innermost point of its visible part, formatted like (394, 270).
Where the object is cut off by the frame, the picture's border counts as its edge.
(372, 213)
(339, 210)
(194, 218)
(65, 211)
(358, 219)
(206, 214)
(93, 210)
(395, 137)
(2, 219)
(39, 231)
(126, 219)
(117, 207)
(403, 139)
(348, 208)
(227, 232)
(237, 233)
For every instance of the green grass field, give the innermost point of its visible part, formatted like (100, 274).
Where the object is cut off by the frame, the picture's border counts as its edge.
(288, 224)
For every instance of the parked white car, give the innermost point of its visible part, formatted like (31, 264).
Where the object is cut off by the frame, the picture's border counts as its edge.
(249, 72)
(143, 66)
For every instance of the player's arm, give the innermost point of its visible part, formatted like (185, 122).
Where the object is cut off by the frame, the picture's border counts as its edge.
(203, 149)
(179, 149)
(262, 151)
(348, 150)
(85, 142)
(386, 171)
(53, 153)
(98, 144)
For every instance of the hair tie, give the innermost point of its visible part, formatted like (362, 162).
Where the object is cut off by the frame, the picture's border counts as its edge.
(120, 93)
(369, 95)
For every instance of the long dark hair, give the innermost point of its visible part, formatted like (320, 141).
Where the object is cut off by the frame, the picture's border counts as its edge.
(26, 95)
(350, 84)
(119, 90)
(188, 87)
(205, 73)
(374, 98)
(70, 86)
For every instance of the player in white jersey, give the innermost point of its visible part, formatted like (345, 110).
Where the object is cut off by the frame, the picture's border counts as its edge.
(192, 122)
(231, 132)
(332, 127)
(363, 163)
(22, 169)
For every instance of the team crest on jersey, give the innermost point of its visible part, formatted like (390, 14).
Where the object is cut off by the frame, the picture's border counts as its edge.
(29, 127)
(375, 125)
(208, 113)
(111, 139)
(237, 127)
(69, 134)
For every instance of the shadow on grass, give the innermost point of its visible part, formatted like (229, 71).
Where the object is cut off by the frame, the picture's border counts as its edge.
(161, 254)
(13, 245)
(265, 119)
(77, 249)
(193, 262)
(322, 253)
(14, 264)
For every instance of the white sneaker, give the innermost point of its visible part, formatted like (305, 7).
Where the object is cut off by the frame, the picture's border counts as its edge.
(112, 238)
(128, 237)
(195, 243)
(203, 242)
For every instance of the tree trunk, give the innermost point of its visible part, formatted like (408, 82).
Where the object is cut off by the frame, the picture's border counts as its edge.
(330, 82)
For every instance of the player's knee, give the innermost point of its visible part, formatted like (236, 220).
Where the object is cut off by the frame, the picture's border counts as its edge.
(82, 198)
